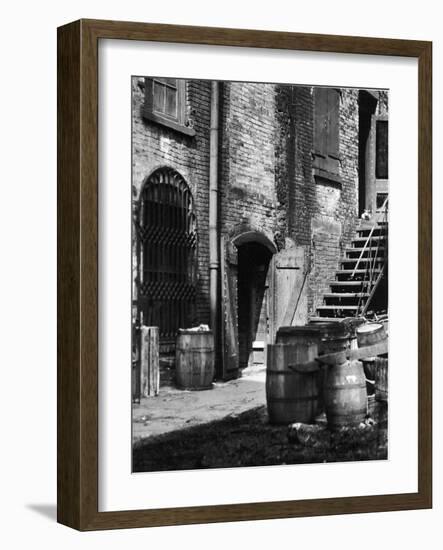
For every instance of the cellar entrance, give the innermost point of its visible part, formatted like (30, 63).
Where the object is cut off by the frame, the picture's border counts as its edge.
(253, 301)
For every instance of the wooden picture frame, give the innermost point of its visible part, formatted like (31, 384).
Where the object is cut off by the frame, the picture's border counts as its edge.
(78, 274)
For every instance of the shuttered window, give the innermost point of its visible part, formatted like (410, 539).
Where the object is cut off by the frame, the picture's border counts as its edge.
(381, 149)
(326, 133)
(168, 237)
(165, 103)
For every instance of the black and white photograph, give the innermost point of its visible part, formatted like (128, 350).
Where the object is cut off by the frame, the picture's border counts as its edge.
(260, 315)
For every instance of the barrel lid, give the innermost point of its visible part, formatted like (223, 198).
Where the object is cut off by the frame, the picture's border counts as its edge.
(317, 328)
(305, 329)
(190, 331)
(370, 327)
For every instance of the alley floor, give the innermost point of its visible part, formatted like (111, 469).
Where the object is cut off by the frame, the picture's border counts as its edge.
(228, 426)
(174, 409)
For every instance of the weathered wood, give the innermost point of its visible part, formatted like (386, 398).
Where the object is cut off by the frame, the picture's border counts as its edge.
(370, 334)
(150, 361)
(136, 381)
(381, 378)
(229, 352)
(352, 354)
(290, 297)
(340, 356)
(194, 363)
(292, 395)
(345, 395)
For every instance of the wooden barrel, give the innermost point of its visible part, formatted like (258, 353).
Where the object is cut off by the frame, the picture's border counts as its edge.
(292, 391)
(370, 333)
(345, 394)
(194, 359)
(369, 370)
(381, 378)
(307, 334)
(329, 336)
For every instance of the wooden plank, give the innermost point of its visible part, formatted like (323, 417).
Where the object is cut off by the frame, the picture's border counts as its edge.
(321, 120)
(230, 354)
(290, 300)
(333, 109)
(150, 361)
(341, 356)
(294, 300)
(359, 353)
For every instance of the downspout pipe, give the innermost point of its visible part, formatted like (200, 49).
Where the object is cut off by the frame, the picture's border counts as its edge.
(214, 252)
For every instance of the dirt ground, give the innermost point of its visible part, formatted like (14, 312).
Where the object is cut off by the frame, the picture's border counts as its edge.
(175, 409)
(228, 426)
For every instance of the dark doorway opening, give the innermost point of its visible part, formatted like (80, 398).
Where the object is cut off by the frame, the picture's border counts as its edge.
(366, 109)
(253, 302)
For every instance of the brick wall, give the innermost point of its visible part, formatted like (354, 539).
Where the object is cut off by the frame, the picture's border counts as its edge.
(155, 145)
(249, 128)
(266, 174)
(324, 212)
(383, 104)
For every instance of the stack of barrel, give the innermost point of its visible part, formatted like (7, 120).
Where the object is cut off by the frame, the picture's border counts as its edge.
(375, 368)
(299, 388)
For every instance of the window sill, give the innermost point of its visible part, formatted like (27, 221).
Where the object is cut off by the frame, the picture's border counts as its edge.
(324, 176)
(186, 130)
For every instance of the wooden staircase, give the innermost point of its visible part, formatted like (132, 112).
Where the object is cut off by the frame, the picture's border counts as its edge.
(362, 269)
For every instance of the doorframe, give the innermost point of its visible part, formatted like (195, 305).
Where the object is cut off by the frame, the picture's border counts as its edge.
(250, 235)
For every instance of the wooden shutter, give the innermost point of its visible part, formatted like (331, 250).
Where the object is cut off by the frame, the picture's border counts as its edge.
(333, 123)
(321, 120)
(148, 105)
(290, 288)
(326, 133)
(230, 355)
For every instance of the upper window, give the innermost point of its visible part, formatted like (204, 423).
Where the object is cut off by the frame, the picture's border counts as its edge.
(326, 133)
(381, 149)
(165, 103)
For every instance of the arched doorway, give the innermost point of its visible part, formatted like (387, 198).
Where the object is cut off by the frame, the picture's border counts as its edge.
(251, 269)
(253, 302)
(262, 290)
(167, 253)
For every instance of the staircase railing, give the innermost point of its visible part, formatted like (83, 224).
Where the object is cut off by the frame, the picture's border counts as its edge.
(384, 208)
(368, 279)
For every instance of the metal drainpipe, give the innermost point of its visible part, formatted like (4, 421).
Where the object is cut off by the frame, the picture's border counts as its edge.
(214, 260)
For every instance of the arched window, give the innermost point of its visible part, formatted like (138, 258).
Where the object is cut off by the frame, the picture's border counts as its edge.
(168, 252)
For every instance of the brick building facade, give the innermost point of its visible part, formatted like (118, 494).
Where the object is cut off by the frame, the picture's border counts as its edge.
(295, 170)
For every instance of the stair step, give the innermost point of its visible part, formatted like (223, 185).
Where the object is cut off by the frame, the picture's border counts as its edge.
(346, 283)
(368, 253)
(346, 294)
(367, 248)
(335, 308)
(363, 260)
(364, 239)
(378, 232)
(357, 271)
(317, 319)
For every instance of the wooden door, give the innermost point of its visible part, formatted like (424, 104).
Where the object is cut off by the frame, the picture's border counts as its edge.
(290, 304)
(229, 330)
